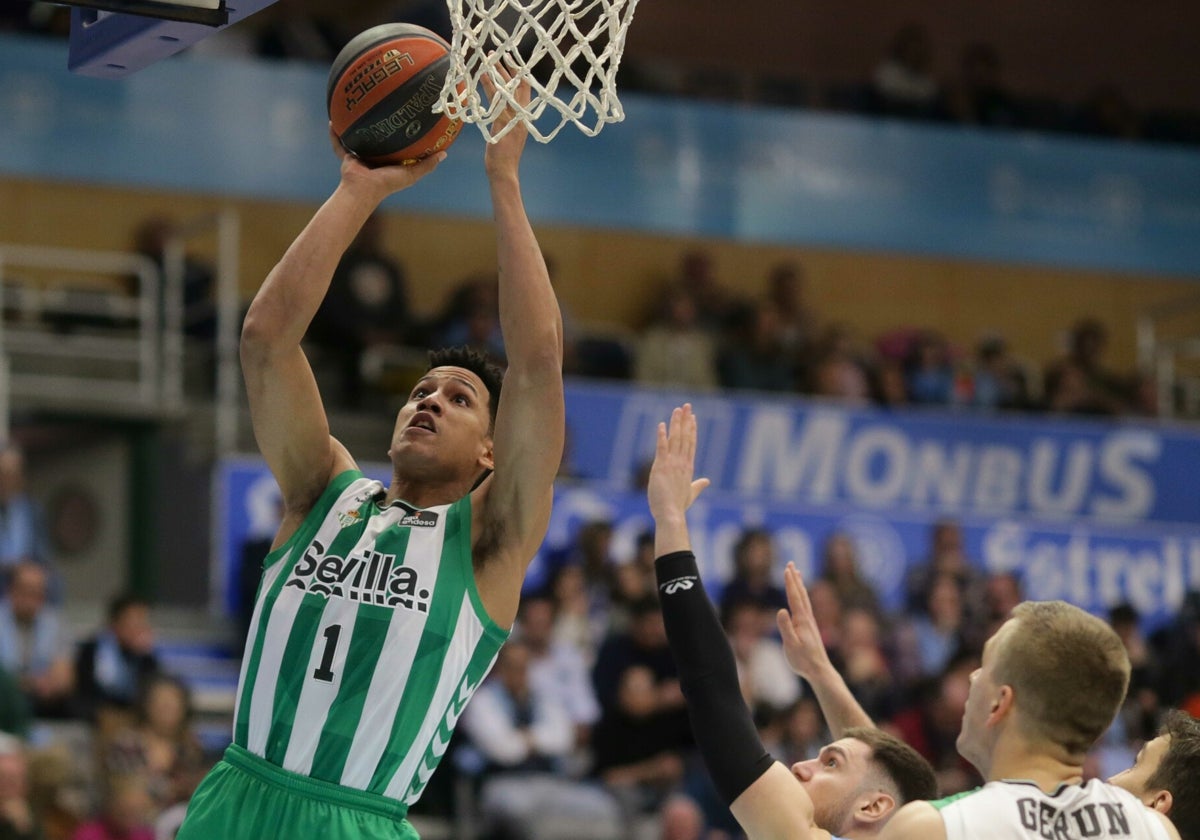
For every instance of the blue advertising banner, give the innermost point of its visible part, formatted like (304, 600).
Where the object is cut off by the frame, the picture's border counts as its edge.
(1091, 512)
(232, 126)
(787, 450)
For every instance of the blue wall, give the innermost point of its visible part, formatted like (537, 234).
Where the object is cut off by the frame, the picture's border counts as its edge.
(760, 175)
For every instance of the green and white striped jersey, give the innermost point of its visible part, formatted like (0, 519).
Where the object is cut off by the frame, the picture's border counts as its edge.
(367, 640)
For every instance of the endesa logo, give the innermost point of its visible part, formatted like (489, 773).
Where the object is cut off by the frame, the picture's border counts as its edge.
(368, 577)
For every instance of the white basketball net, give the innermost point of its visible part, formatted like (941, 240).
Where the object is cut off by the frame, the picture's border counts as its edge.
(569, 50)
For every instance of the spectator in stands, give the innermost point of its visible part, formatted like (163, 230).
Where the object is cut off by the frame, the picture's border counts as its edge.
(888, 386)
(18, 821)
(785, 297)
(23, 532)
(838, 370)
(753, 356)
(980, 98)
(556, 670)
(935, 636)
(1178, 650)
(839, 567)
(753, 570)
(768, 684)
(524, 734)
(1141, 710)
(642, 645)
(126, 814)
(904, 84)
(827, 612)
(682, 819)
(160, 747)
(1002, 591)
(1079, 383)
(591, 552)
(471, 316)
(676, 349)
(931, 726)
(637, 744)
(634, 578)
(112, 666)
(577, 625)
(33, 646)
(998, 382)
(367, 307)
(929, 370)
(947, 556)
(864, 663)
(698, 278)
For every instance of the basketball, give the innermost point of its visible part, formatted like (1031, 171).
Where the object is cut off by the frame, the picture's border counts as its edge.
(382, 87)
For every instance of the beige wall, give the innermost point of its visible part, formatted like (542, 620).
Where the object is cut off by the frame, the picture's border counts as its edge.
(611, 275)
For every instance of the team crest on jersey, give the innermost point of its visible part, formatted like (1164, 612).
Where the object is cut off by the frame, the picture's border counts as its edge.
(349, 517)
(368, 577)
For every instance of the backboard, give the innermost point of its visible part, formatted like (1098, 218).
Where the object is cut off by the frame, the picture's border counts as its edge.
(111, 39)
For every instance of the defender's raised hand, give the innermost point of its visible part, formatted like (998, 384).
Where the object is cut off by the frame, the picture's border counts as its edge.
(802, 642)
(807, 656)
(671, 489)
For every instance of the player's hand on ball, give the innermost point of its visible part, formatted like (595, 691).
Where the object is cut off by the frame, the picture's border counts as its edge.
(385, 179)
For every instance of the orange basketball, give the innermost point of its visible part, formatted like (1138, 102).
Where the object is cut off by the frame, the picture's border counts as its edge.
(382, 87)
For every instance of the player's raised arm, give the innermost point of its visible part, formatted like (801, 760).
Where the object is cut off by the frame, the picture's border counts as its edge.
(289, 419)
(807, 656)
(529, 430)
(767, 800)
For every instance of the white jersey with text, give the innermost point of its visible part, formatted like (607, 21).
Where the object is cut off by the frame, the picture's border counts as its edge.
(1015, 810)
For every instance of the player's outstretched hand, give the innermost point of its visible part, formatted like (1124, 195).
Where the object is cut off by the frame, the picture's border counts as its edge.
(671, 489)
(383, 180)
(802, 642)
(503, 158)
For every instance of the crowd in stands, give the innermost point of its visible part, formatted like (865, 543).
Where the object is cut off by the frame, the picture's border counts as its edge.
(702, 335)
(96, 739)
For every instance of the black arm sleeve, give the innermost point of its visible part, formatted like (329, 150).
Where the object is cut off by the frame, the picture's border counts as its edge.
(721, 723)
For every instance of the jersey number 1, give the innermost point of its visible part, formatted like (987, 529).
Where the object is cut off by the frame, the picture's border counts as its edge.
(324, 671)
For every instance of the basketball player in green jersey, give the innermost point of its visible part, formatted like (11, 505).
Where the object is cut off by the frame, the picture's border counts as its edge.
(382, 608)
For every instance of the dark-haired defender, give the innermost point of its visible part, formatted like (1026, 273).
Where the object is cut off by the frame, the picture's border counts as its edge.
(1166, 773)
(855, 784)
(381, 608)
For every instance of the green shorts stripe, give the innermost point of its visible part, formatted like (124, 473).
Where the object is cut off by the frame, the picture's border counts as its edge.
(248, 798)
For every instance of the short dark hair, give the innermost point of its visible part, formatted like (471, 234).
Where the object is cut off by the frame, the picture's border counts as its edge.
(478, 363)
(126, 600)
(1179, 772)
(903, 766)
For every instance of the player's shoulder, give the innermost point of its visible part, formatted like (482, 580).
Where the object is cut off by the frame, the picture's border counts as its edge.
(915, 820)
(1167, 826)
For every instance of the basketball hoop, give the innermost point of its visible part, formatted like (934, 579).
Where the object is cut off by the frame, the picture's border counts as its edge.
(568, 50)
